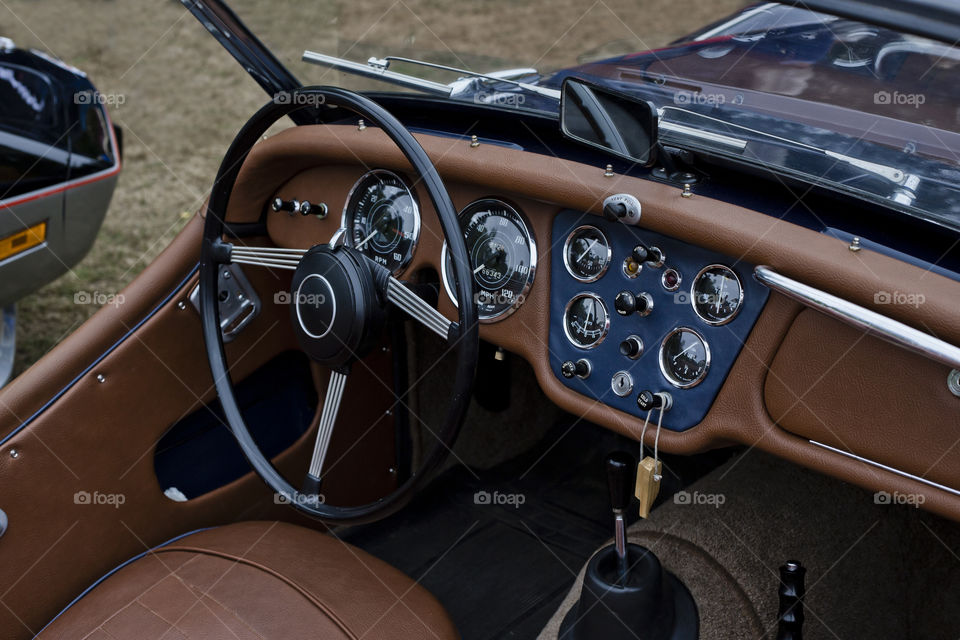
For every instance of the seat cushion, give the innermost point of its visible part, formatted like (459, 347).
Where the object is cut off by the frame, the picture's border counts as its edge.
(257, 580)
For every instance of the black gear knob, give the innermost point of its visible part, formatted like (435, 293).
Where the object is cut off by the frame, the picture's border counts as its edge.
(621, 468)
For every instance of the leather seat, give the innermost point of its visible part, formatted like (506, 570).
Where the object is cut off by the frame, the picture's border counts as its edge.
(257, 580)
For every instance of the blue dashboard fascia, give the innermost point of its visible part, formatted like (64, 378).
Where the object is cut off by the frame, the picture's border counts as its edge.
(670, 311)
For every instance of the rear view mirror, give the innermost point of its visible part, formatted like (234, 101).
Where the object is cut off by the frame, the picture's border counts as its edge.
(608, 120)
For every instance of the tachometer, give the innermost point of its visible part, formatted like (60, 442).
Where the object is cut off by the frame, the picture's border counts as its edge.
(503, 257)
(382, 219)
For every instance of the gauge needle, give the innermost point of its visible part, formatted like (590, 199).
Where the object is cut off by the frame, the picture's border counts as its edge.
(367, 239)
(589, 247)
(479, 269)
(720, 293)
(684, 351)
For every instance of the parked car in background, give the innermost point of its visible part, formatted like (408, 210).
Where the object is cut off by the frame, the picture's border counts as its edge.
(59, 163)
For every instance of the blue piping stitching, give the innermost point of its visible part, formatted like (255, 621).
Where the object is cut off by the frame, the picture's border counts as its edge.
(100, 359)
(114, 570)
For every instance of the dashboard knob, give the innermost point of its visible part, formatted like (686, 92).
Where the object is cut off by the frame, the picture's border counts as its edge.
(627, 303)
(581, 368)
(614, 211)
(632, 347)
(647, 400)
(650, 255)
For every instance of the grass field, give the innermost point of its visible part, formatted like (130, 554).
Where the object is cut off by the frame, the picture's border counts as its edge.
(183, 97)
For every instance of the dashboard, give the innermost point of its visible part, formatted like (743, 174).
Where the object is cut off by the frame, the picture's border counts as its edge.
(636, 318)
(699, 316)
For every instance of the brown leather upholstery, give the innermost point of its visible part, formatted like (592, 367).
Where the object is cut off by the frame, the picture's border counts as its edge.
(257, 580)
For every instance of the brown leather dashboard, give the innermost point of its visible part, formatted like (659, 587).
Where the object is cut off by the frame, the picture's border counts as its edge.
(797, 378)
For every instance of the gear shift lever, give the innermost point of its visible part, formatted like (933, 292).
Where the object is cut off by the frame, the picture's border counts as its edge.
(620, 477)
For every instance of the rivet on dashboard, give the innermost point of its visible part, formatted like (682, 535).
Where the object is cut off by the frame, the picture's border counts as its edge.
(101, 378)
(608, 173)
(361, 125)
(14, 454)
(474, 142)
(686, 193)
(855, 245)
(953, 382)
(181, 305)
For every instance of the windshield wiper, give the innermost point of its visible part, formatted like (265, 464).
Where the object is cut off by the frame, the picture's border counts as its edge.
(378, 69)
(891, 174)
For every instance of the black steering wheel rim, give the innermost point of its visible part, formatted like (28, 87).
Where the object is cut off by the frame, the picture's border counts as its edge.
(464, 343)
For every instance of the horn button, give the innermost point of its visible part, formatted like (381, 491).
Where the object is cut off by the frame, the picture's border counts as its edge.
(336, 312)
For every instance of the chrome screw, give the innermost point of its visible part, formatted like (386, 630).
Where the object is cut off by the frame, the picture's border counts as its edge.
(474, 142)
(686, 193)
(101, 378)
(361, 125)
(14, 454)
(608, 173)
(855, 245)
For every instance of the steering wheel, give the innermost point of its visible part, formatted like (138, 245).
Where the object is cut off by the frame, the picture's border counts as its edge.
(338, 304)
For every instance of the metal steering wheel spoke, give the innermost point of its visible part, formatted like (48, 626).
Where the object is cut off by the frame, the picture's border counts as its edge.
(328, 417)
(419, 309)
(273, 257)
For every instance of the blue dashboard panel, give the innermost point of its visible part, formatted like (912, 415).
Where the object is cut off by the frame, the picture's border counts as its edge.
(671, 310)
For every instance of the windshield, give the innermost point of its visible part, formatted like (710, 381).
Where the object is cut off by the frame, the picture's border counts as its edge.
(854, 107)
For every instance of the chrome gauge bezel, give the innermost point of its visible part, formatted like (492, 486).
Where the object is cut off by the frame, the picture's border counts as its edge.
(531, 245)
(566, 256)
(345, 234)
(606, 324)
(693, 294)
(666, 373)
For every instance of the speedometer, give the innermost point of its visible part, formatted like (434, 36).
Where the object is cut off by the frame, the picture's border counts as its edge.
(503, 257)
(382, 219)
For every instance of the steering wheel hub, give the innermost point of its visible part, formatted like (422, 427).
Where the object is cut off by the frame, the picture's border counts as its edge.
(334, 306)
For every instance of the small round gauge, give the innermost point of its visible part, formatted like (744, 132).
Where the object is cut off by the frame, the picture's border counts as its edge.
(586, 321)
(587, 253)
(716, 294)
(503, 257)
(382, 219)
(684, 358)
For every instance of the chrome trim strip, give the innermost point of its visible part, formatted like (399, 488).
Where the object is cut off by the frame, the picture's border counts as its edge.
(872, 322)
(359, 68)
(880, 465)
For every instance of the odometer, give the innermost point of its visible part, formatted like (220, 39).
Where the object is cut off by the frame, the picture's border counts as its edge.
(684, 358)
(503, 257)
(382, 219)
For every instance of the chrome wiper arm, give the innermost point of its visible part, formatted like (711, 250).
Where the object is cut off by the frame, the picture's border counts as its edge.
(892, 174)
(377, 73)
(384, 63)
(377, 68)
